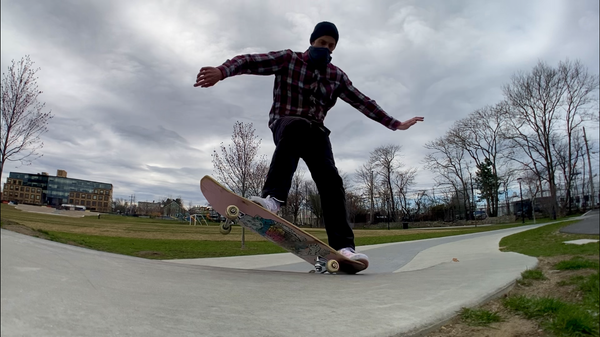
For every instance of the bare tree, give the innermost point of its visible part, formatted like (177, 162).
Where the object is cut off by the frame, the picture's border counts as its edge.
(423, 202)
(365, 176)
(533, 188)
(355, 205)
(296, 195)
(120, 205)
(449, 162)
(580, 87)
(236, 165)
(403, 180)
(385, 160)
(545, 102)
(313, 201)
(481, 135)
(567, 153)
(22, 118)
(258, 176)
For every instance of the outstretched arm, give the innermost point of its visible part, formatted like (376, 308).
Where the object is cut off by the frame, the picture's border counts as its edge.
(369, 107)
(407, 124)
(256, 64)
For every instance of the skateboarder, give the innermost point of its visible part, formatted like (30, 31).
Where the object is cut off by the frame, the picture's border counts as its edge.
(306, 87)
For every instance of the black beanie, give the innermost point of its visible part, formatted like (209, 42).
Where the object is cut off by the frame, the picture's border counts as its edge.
(324, 28)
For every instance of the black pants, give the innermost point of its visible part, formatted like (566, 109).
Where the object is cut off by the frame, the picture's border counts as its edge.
(297, 138)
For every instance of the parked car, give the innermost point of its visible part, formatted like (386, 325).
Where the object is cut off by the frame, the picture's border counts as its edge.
(479, 215)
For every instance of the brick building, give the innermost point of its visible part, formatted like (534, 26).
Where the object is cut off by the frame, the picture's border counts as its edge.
(43, 189)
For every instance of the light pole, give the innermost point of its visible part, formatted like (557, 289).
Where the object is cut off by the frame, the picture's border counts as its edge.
(521, 192)
(387, 202)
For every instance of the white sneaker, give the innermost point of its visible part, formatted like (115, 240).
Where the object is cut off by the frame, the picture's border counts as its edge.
(353, 255)
(271, 204)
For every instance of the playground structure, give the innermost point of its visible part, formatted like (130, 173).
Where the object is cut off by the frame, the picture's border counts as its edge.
(196, 219)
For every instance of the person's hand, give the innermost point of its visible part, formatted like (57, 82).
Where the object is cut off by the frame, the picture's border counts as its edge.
(207, 77)
(407, 124)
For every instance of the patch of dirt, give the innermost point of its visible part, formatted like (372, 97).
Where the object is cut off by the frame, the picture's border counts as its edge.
(513, 324)
(54, 211)
(147, 253)
(511, 327)
(15, 227)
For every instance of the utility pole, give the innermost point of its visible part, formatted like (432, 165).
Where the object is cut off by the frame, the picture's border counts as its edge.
(371, 198)
(522, 209)
(471, 215)
(592, 192)
(506, 198)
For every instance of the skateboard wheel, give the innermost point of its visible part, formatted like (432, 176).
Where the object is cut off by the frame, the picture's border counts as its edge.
(225, 228)
(332, 266)
(232, 212)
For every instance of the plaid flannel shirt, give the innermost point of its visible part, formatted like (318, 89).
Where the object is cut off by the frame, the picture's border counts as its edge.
(300, 90)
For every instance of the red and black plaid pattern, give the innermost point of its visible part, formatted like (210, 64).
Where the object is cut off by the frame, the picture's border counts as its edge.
(301, 90)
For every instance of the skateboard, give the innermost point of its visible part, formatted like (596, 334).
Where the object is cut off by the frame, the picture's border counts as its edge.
(275, 229)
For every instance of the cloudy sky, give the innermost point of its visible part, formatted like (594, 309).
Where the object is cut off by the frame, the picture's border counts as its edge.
(118, 75)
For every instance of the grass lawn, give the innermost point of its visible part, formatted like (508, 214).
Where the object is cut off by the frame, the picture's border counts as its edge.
(166, 239)
(577, 316)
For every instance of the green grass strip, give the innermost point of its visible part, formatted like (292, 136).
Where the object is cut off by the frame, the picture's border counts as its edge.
(479, 317)
(165, 248)
(577, 262)
(548, 241)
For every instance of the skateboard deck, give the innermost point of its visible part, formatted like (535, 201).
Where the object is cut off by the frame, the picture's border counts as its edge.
(276, 229)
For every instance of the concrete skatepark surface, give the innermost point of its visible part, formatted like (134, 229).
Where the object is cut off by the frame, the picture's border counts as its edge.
(51, 289)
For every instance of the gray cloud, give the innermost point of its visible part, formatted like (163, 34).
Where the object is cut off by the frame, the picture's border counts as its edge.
(118, 75)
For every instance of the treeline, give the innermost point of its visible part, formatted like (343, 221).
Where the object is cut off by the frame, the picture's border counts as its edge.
(533, 138)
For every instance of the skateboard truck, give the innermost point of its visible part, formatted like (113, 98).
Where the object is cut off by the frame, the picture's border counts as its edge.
(322, 265)
(231, 215)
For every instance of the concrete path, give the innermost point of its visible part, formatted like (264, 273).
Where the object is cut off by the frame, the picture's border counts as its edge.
(50, 289)
(590, 224)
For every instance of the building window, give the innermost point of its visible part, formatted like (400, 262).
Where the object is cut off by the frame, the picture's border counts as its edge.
(106, 204)
(26, 196)
(72, 194)
(27, 189)
(12, 187)
(70, 201)
(37, 197)
(83, 196)
(89, 196)
(88, 203)
(95, 197)
(77, 195)
(93, 203)
(20, 195)
(101, 191)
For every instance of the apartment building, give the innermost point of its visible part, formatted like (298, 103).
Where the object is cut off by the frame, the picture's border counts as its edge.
(43, 189)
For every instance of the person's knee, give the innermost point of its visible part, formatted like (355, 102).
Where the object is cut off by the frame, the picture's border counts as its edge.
(329, 176)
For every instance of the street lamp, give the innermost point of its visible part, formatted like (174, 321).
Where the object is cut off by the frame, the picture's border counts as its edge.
(521, 192)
